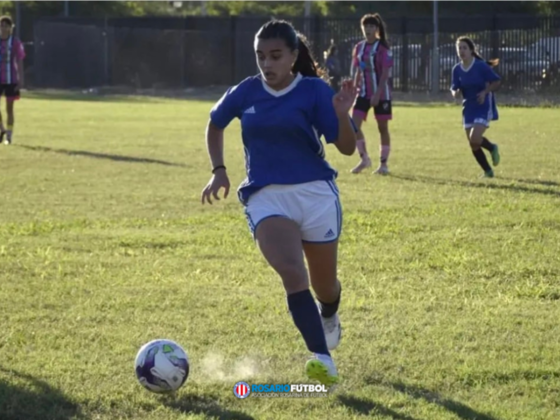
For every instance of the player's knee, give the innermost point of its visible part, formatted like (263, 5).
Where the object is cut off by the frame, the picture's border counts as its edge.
(383, 127)
(293, 275)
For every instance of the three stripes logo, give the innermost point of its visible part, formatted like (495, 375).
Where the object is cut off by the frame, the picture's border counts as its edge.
(241, 390)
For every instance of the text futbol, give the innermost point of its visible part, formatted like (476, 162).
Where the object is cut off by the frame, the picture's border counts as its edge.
(289, 388)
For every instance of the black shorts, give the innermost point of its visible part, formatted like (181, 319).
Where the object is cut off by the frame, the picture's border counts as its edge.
(383, 110)
(11, 91)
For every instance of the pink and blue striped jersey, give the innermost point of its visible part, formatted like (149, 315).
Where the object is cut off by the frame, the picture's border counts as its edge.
(369, 60)
(11, 51)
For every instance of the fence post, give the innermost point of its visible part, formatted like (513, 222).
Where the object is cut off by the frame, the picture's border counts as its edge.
(233, 49)
(403, 77)
(495, 36)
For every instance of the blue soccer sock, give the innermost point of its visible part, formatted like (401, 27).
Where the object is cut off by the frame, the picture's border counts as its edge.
(308, 321)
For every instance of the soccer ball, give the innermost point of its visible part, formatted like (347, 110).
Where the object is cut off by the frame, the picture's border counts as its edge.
(162, 366)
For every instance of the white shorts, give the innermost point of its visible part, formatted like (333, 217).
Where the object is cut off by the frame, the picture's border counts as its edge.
(314, 206)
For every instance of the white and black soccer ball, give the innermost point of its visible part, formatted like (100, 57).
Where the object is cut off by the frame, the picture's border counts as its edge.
(162, 366)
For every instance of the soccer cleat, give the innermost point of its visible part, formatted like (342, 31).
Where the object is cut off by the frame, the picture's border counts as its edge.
(488, 174)
(364, 164)
(9, 137)
(333, 331)
(321, 368)
(382, 170)
(495, 155)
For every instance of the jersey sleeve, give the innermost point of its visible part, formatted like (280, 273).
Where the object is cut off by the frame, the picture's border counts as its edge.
(489, 74)
(324, 118)
(386, 58)
(18, 49)
(455, 82)
(228, 107)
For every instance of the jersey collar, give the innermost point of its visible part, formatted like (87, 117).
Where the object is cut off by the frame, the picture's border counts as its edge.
(287, 89)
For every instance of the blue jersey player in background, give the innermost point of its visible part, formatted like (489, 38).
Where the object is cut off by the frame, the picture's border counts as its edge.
(291, 200)
(474, 80)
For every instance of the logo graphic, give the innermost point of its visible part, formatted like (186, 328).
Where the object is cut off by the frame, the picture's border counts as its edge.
(250, 110)
(241, 390)
(329, 234)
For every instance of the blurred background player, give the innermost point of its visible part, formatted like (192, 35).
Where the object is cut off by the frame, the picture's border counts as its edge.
(332, 63)
(11, 73)
(291, 200)
(474, 80)
(372, 61)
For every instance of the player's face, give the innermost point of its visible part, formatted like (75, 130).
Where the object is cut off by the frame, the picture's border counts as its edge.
(275, 60)
(463, 50)
(5, 30)
(370, 32)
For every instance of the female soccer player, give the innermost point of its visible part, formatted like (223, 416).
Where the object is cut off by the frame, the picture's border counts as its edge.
(291, 201)
(11, 73)
(372, 61)
(474, 80)
(332, 63)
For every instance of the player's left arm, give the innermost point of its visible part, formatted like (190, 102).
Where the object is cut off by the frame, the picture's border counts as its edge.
(335, 124)
(493, 82)
(20, 56)
(387, 63)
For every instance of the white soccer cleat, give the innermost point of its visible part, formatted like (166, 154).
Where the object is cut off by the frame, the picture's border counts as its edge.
(333, 331)
(321, 368)
(364, 164)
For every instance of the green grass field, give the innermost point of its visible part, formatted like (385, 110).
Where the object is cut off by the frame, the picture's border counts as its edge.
(451, 296)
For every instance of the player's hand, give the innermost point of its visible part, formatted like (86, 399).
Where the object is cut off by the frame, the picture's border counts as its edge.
(456, 93)
(219, 180)
(481, 97)
(346, 96)
(374, 101)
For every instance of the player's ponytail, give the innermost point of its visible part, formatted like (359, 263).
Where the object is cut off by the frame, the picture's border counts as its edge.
(492, 62)
(382, 30)
(305, 64)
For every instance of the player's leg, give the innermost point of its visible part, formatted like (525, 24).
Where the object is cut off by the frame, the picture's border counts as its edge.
(10, 100)
(475, 135)
(2, 127)
(279, 240)
(321, 228)
(359, 115)
(383, 114)
(273, 222)
(322, 261)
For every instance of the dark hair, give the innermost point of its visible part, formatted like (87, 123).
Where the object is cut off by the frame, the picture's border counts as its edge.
(281, 29)
(492, 63)
(6, 19)
(377, 20)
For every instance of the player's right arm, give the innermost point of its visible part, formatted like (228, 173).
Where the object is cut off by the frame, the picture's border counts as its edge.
(455, 83)
(355, 65)
(223, 112)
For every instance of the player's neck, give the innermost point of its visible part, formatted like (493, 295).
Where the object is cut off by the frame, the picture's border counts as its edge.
(373, 41)
(285, 83)
(5, 37)
(467, 62)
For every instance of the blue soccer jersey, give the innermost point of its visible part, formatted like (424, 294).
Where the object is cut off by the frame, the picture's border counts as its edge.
(471, 81)
(281, 130)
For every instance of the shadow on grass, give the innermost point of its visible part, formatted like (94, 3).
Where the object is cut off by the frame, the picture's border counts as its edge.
(33, 399)
(207, 406)
(487, 184)
(84, 153)
(462, 411)
(542, 182)
(367, 407)
(128, 95)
